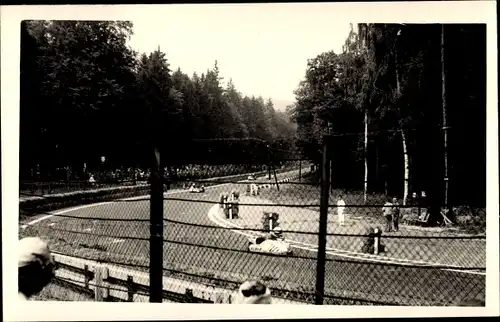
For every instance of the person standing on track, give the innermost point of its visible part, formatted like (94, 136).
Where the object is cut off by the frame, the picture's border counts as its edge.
(92, 180)
(341, 210)
(252, 187)
(395, 214)
(36, 267)
(387, 210)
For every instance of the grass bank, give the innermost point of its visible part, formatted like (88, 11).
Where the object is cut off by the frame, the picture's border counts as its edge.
(469, 220)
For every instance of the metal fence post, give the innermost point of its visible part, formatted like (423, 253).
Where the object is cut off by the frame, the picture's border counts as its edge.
(276, 178)
(445, 128)
(156, 231)
(300, 170)
(323, 217)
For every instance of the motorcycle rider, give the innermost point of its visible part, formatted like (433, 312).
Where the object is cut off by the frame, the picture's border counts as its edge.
(276, 243)
(275, 234)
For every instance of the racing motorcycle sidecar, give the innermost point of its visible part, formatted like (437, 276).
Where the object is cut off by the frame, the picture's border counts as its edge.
(197, 189)
(259, 244)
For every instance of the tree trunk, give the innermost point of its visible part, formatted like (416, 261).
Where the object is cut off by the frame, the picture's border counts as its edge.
(366, 157)
(445, 125)
(405, 148)
(406, 168)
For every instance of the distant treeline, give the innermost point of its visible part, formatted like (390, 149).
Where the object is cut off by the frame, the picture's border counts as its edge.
(389, 77)
(86, 94)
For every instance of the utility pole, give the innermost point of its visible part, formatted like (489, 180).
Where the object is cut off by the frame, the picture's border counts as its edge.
(156, 230)
(445, 123)
(330, 132)
(323, 222)
(156, 213)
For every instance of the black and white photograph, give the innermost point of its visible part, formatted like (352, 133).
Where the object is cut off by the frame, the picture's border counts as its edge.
(251, 154)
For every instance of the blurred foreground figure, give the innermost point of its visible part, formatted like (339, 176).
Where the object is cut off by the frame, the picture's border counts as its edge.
(253, 292)
(36, 267)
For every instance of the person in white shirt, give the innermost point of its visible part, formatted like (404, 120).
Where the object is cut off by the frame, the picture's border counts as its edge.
(36, 267)
(252, 188)
(92, 180)
(341, 210)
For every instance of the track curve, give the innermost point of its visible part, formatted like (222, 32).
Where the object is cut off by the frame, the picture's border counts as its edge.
(221, 253)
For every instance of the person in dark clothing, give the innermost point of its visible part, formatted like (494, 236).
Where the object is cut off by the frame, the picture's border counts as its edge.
(387, 210)
(36, 267)
(395, 214)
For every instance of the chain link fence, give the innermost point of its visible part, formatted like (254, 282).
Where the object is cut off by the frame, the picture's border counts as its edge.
(409, 237)
(219, 231)
(91, 227)
(213, 235)
(368, 260)
(111, 227)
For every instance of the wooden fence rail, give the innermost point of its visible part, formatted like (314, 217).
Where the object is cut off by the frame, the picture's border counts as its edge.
(114, 283)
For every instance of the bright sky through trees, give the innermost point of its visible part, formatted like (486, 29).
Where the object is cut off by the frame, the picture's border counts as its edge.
(264, 47)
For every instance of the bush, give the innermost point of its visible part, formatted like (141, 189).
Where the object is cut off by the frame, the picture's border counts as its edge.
(31, 207)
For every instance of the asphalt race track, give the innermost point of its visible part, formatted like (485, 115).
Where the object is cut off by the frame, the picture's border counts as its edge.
(221, 253)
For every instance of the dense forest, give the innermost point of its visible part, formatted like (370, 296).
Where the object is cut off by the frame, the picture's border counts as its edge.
(389, 99)
(85, 94)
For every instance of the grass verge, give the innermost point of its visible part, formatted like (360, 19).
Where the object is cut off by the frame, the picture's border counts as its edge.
(469, 220)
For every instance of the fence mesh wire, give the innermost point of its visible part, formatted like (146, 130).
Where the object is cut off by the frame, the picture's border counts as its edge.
(206, 243)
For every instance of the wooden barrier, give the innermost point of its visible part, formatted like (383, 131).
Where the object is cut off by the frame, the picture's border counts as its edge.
(115, 283)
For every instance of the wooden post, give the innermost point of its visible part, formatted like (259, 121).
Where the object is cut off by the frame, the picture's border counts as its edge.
(105, 283)
(130, 288)
(100, 275)
(86, 272)
(189, 295)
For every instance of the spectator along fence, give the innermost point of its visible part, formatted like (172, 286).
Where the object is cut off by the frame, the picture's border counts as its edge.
(206, 246)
